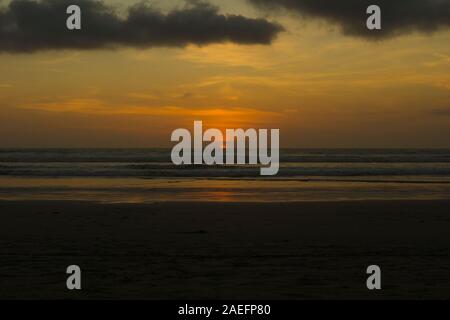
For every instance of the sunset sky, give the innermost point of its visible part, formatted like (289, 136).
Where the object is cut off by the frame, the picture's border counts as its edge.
(303, 68)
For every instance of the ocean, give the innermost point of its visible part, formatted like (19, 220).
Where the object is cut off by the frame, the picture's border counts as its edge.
(147, 175)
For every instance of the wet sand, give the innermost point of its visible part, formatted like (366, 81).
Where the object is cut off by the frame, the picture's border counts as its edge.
(304, 250)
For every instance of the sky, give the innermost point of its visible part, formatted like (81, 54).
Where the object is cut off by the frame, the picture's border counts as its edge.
(137, 71)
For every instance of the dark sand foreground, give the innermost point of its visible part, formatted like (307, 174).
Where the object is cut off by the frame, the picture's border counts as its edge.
(225, 250)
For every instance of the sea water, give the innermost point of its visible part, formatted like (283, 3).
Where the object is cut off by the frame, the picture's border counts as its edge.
(147, 175)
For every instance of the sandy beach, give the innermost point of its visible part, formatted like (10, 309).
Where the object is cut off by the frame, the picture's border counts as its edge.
(304, 250)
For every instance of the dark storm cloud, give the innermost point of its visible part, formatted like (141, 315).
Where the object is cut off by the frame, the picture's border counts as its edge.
(398, 16)
(33, 25)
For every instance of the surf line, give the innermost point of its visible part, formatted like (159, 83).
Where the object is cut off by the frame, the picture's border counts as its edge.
(213, 153)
